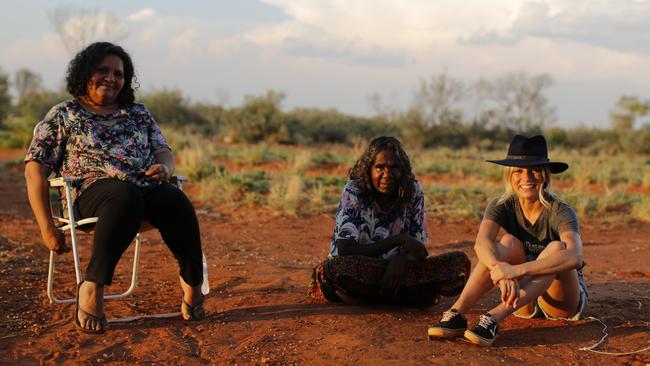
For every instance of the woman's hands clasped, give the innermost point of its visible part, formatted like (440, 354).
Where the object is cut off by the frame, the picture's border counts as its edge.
(413, 247)
(505, 276)
(509, 292)
(502, 270)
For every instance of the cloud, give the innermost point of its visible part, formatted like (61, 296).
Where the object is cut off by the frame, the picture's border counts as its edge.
(396, 24)
(92, 27)
(346, 52)
(364, 46)
(622, 25)
(306, 41)
(325, 53)
(44, 55)
(184, 45)
(141, 15)
(377, 33)
(336, 29)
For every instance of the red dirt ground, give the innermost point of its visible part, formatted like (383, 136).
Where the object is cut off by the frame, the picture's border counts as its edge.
(260, 265)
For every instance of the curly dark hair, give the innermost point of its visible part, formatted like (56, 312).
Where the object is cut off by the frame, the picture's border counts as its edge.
(86, 61)
(361, 174)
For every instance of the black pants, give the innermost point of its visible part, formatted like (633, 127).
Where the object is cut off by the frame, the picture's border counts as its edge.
(120, 208)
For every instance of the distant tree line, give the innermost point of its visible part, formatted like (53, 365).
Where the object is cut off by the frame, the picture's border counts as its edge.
(445, 112)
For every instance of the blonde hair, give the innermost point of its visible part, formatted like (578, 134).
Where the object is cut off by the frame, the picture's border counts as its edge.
(544, 193)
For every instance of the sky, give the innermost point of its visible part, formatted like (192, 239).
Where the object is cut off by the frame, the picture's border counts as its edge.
(337, 53)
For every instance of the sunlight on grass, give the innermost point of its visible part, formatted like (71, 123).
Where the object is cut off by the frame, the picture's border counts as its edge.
(300, 162)
(641, 209)
(459, 183)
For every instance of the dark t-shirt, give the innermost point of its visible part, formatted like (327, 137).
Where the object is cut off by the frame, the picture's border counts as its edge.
(551, 223)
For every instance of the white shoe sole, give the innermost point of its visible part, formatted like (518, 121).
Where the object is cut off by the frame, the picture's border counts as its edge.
(438, 332)
(477, 339)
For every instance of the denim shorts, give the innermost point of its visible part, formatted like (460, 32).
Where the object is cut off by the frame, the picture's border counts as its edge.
(538, 311)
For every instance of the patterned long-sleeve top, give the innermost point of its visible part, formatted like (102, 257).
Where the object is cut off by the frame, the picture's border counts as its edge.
(367, 223)
(77, 143)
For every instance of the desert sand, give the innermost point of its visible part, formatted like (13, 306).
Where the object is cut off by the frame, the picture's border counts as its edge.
(258, 312)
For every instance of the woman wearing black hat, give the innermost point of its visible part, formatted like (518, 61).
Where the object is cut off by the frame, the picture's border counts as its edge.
(537, 263)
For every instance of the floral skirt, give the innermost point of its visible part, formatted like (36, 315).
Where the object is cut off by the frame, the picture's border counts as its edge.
(360, 277)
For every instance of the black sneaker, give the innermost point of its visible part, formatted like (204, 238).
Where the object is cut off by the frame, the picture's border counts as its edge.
(485, 332)
(452, 324)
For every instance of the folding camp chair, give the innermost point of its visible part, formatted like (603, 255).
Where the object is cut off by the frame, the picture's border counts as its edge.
(73, 226)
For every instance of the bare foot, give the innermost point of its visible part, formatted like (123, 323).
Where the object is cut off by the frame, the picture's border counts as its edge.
(191, 295)
(90, 306)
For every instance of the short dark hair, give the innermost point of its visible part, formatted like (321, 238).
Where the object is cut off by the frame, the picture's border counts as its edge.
(83, 65)
(361, 174)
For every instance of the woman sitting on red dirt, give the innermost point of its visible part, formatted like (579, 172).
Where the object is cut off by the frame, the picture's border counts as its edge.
(377, 252)
(537, 264)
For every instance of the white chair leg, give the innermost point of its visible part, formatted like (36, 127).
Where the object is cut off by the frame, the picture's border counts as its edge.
(205, 286)
(50, 284)
(144, 316)
(50, 274)
(134, 281)
(73, 234)
(134, 274)
(72, 225)
(75, 252)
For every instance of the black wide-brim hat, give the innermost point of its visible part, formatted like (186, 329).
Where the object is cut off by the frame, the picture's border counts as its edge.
(527, 152)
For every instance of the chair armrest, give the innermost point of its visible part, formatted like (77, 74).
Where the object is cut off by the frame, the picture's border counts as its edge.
(60, 181)
(177, 180)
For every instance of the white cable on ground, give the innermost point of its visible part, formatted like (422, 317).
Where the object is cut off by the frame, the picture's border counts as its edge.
(591, 348)
(144, 316)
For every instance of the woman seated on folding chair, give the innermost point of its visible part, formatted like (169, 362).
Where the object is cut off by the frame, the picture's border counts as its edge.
(377, 252)
(122, 161)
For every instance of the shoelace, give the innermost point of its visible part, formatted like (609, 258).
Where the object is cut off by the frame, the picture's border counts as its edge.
(447, 315)
(486, 321)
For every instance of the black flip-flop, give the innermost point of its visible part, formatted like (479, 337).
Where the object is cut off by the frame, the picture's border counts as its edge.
(101, 321)
(196, 312)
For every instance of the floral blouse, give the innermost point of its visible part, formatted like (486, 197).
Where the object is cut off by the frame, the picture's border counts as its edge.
(76, 143)
(368, 223)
